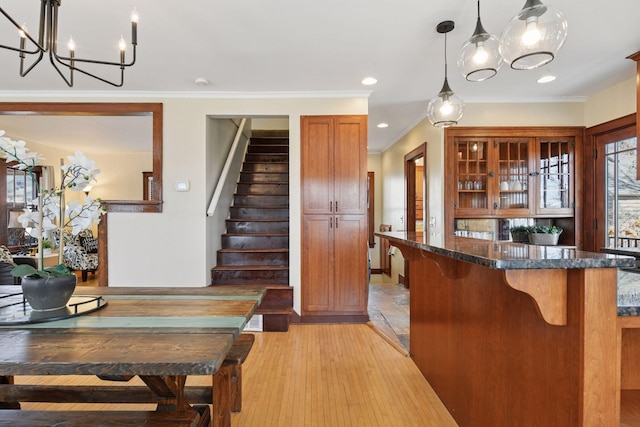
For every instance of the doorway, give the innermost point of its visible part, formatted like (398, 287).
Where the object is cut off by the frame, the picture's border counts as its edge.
(615, 189)
(415, 172)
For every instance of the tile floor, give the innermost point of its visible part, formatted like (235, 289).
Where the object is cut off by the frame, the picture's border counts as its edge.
(389, 311)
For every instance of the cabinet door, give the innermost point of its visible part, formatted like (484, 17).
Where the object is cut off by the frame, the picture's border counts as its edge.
(513, 175)
(474, 179)
(350, 165)
(317, 165)
(350, 260)
(317, 264)
(554, 186)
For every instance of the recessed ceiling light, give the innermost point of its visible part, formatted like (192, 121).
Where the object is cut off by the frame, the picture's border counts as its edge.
(546, 78)
(383, 125)
(368, 81)
(201, 81)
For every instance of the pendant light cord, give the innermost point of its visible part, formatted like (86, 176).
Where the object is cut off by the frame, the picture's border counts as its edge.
(445, 56)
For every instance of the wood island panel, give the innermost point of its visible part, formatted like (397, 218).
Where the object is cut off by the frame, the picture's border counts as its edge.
(492, 358)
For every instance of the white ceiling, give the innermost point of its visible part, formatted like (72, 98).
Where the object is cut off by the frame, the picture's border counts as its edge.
(322, 48)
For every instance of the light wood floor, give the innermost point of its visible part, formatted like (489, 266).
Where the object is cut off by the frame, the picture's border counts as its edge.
(326, 375)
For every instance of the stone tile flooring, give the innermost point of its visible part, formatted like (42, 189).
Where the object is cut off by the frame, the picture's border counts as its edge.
(389, 311)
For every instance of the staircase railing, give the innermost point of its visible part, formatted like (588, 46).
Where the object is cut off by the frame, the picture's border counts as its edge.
(225, 170)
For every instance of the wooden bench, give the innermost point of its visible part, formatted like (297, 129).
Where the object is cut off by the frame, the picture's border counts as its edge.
(199, 417)
(234, 360)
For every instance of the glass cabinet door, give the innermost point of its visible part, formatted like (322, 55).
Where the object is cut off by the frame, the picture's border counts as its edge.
(555, 175)
(472, 174)
(513, 172)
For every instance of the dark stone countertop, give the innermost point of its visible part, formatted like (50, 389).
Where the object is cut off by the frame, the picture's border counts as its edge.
(507, 255)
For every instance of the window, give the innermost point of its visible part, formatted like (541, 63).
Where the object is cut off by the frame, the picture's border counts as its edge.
(622, 194)
(20, 188)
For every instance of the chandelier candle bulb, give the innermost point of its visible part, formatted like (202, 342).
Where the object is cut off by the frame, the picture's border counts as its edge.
(134, 26)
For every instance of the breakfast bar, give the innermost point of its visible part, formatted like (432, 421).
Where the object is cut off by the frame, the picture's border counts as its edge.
(515, 334)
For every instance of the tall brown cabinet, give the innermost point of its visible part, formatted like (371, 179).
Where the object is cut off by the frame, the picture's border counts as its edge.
(334, 218)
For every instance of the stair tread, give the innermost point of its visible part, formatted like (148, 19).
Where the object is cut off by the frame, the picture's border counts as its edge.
(261, 207)
(257, 234)
(251, 267)
(234, 250)
(256, 220)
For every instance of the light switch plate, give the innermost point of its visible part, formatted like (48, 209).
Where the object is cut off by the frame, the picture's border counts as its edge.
(182, 185)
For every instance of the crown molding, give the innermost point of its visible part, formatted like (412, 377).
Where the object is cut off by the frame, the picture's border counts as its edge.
(186, 94)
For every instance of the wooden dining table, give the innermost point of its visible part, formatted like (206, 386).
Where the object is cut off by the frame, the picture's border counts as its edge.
(161, 335)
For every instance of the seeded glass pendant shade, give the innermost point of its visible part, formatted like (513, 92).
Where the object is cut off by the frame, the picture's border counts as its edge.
(534, 36)
(480, 58)
(446, 108)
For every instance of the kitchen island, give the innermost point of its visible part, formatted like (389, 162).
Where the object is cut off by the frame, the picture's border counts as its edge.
(513, 334)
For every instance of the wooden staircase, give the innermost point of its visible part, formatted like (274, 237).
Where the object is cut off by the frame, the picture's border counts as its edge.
(255, 248)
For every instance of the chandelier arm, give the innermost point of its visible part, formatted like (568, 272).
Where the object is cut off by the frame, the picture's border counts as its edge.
(39, 47)
(62, 59)
(69, 81)
(31, 67)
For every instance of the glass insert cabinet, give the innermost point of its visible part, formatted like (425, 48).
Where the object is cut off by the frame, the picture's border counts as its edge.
(511, 173)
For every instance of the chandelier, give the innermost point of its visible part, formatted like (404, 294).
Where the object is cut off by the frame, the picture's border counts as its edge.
(47, 42)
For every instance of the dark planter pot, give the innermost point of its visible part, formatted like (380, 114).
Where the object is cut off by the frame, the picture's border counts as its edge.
(51, 293)
(520, 236)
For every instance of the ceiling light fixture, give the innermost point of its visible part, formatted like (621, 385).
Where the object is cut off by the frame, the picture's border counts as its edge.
(383, 125)
(368, 81)
(546, 78)
(446, 108)
(480, 57)
(533, 36)
(47, 42)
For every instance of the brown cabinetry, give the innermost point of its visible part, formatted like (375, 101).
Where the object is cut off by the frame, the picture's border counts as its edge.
(511, 173)
(334, 207)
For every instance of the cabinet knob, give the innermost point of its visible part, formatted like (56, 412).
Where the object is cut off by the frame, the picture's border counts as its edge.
(491, 174)
(534, 174)
(336, 222)
(330, 206)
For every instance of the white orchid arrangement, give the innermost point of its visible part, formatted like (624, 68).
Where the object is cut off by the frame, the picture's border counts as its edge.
(52, 214)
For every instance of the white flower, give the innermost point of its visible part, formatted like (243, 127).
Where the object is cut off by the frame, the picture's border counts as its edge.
(82, 216)
(30, 221)
(79, 173)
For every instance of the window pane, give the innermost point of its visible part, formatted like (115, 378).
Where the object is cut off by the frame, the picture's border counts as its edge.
(622, 194)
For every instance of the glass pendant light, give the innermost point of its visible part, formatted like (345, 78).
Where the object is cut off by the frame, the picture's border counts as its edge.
(446, 108)
(534, 36)
(479, 57)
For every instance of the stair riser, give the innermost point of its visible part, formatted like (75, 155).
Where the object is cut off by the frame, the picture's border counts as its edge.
(255, 242)
(267, 158)
(243, 277)
(253, 258)
(269, 141)
(263, 189)
(269, 149)
(265, 167)
(264, 177)
(248, 227)
(252, 200)
(258, 213)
